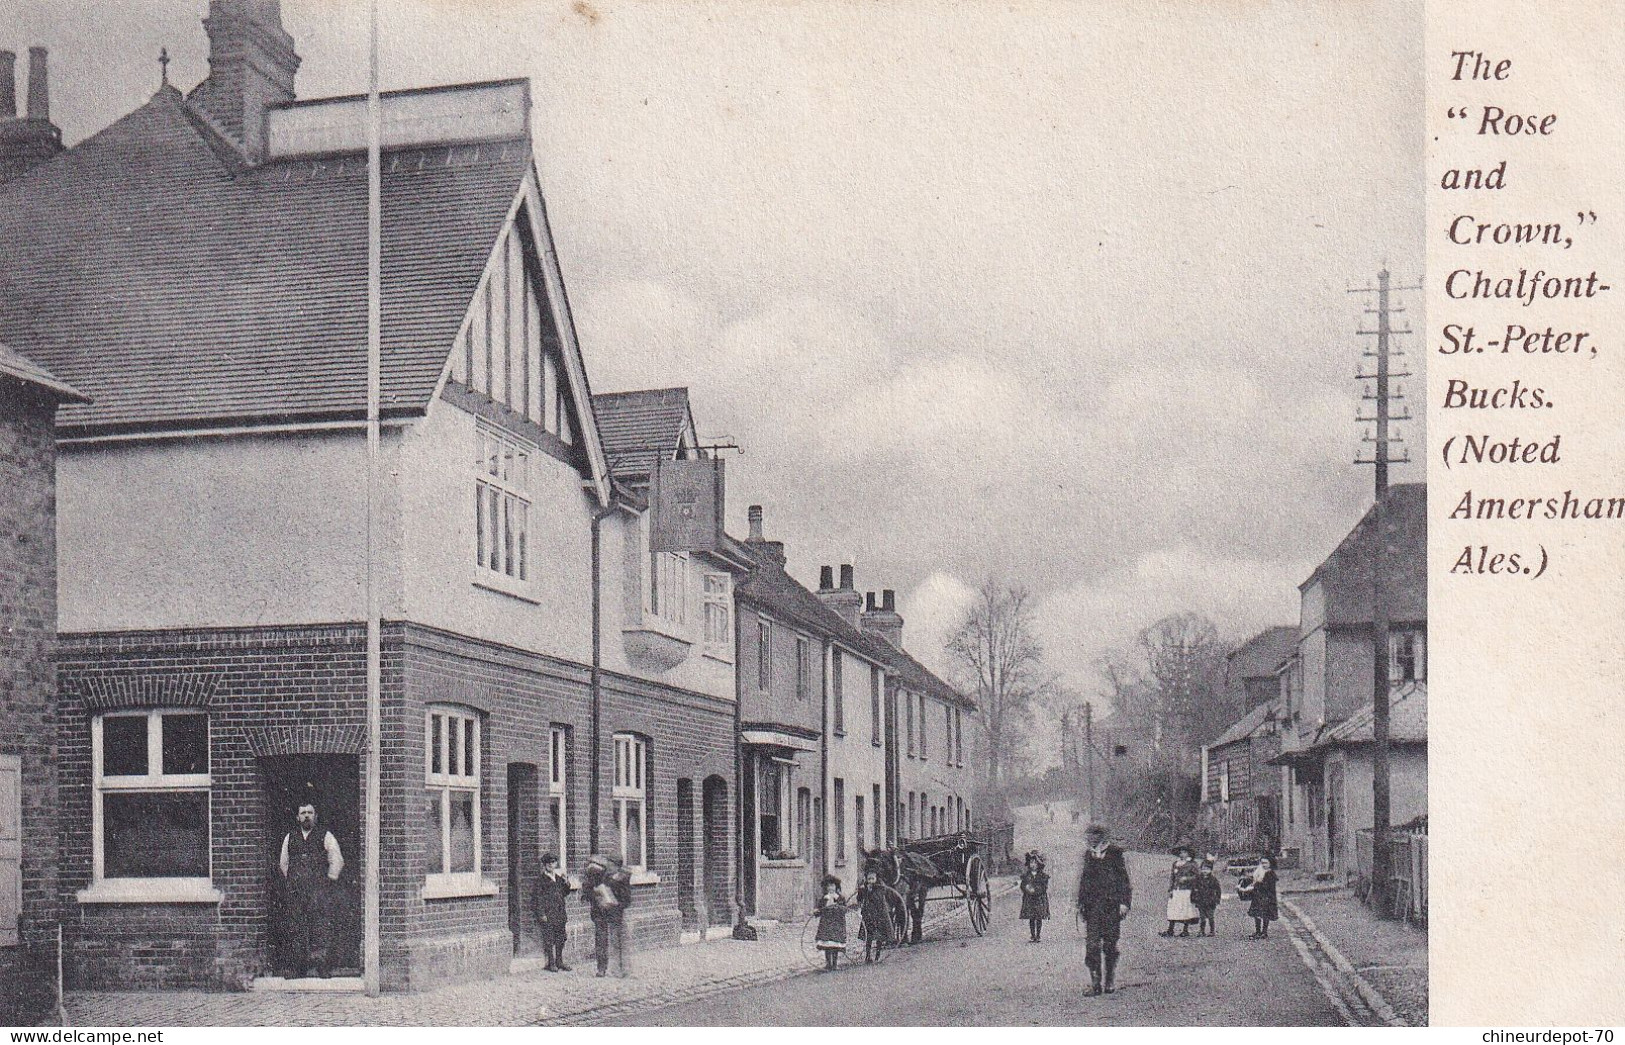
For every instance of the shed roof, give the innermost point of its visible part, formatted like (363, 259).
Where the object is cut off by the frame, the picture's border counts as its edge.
(1247, 725)
(1407, 720)
(15, 365)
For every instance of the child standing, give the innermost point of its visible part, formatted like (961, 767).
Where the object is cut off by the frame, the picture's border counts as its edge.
(1035, 895)
(1205, 895)
(875, 900)
(1181, 911)
(1264, 907)
(831, 913)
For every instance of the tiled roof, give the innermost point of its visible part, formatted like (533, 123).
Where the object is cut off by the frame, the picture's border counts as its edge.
(1260, 655)
(771, 587)
(1247, 725)
(636, 427)
(1407, 720)
(1346, 573)
(15, 365)
(176, 286)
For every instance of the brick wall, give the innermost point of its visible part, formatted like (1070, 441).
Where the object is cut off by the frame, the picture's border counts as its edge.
(27, 685)
(302, 689)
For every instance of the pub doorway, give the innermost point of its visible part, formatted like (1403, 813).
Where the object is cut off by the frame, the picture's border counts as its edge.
(524, 856)
(332, 784)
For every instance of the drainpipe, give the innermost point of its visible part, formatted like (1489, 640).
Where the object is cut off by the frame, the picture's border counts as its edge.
(742, 930)
(823, 761)
(597, 683)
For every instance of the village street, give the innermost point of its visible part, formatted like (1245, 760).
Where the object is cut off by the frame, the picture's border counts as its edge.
(953, 979)
(956, 979)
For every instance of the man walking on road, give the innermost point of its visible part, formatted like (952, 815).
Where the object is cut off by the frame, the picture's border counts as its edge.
(1104, 898)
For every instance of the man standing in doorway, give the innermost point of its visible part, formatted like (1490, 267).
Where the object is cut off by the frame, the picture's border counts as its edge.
(1104, 898)
(310, 863)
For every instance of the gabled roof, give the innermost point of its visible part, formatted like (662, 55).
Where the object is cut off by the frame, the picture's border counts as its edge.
(1247, 725)
(1345, 575)
(1407, 720)
(1260, 655)
(178, 287)
(15, 365)
(637, 427)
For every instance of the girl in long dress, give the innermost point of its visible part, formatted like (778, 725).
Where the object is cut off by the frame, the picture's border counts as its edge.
(1181, 911)
(1265, 906)
(831, 911)
(1035, 895)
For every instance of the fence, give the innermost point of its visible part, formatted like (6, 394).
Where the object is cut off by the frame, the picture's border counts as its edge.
(1408, 872)
(997, 842)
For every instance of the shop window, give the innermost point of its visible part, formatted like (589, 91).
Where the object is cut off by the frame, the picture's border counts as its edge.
(151, 781)
(630, 795)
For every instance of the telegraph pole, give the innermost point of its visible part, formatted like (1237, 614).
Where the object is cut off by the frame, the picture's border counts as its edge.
(1089, 753)
(1382, 397)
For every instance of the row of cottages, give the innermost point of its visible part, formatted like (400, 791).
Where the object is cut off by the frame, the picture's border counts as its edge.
(197, 270)
(829, 703)
(1307, 751)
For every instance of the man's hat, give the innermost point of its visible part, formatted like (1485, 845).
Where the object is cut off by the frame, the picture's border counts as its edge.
(1095, 829)
(598, 860)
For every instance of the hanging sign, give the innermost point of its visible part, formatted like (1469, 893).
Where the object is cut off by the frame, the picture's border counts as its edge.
(686, 503)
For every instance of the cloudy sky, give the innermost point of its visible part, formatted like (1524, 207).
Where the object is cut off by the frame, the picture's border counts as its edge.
(1049, 291)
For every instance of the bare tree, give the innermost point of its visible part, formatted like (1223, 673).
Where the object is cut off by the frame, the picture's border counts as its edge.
(999, 654)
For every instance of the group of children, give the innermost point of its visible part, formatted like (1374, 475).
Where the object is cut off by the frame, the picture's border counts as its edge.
(874, 902)
(1194, 893)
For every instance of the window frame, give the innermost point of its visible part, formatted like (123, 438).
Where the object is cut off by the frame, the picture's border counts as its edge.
(764, 654)
(875, 686)
(924, 729)
(839, 802)
(445, 784)
(631, 788)
(1403, 642)
(154, 781)
(558, 788)
(803, 668)
(720, 645)
(908, 716)
(837, 691)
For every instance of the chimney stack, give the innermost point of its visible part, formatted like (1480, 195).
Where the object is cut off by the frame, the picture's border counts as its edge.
(826, 579)
(32, 139)
(884, 621)
(755, 515)
(8, 85)
(39, 91)
(844, 600)
(252, 64)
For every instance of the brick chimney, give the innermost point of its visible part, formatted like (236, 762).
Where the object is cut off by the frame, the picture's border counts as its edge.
(771, 550)
(251, 68)
(31, 139)
(884, 620)
(845, 599)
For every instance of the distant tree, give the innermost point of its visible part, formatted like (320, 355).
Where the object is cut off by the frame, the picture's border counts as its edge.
(997, 652)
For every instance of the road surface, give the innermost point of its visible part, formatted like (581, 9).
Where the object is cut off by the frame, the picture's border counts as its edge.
(957, 979)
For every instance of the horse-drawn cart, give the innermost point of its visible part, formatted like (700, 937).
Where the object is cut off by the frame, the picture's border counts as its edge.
(953, 865)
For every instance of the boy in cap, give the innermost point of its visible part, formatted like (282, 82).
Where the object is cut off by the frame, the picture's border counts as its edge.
(1104, 898)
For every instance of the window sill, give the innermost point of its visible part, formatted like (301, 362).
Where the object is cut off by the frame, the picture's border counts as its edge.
(720, 655)
(645, 878)
(503, 585)
(463, 887)
(150, 890)
(768, 861)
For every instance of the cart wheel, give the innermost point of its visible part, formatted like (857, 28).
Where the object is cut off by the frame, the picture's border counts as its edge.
(978, 897)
